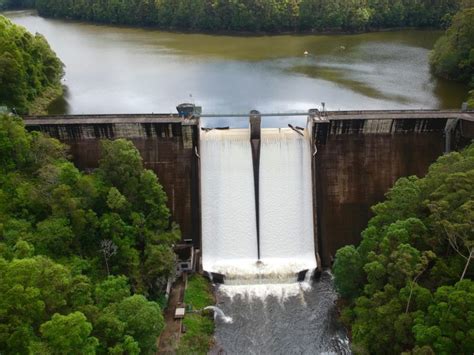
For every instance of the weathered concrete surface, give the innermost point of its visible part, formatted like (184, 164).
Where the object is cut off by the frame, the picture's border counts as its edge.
(165, 143)
(360, 154)
(357, 161)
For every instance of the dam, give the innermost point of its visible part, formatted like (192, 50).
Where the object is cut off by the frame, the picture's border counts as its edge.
(342, 163)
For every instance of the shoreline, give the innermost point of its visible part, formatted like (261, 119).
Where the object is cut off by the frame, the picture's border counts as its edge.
(233, 33)
(39, 106)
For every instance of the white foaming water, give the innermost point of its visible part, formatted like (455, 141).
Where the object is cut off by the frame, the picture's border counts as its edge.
(229, 231)
(286, 203)
(228, 206)
(262, 291)
(219, 313)
(271, 312)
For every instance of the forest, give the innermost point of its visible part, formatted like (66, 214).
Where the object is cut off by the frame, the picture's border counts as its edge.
(16, 4)
(84, 258)
(253, 15)
(453, 54)
(408, 285)
(29, 70)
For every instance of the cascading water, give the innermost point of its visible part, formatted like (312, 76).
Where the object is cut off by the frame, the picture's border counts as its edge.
(280, 319)
(229, 232)
(286, 203)
(271, 312)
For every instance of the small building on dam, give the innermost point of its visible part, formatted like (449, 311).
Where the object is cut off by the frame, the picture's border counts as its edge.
(350, 160)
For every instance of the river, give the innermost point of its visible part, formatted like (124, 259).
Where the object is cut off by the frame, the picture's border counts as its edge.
(130, 70)
(280, 319)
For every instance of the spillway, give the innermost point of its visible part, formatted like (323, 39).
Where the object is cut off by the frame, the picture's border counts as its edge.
(267, 311)
(286, 204)
(229, 232)
(229, 228)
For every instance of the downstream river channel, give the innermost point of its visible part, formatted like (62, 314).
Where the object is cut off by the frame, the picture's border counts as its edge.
(130, 70)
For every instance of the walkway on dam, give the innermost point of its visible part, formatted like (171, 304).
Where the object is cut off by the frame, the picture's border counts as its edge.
(318, 116)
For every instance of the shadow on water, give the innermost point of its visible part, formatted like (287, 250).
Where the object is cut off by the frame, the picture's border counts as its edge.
(343, 79)
(303, 322)
(450, 93)
(60, 106)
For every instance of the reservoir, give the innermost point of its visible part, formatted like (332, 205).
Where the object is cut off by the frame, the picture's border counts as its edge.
(130, 70)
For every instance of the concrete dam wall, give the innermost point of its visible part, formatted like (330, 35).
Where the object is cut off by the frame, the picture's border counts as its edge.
(357, 157)
(166, 143)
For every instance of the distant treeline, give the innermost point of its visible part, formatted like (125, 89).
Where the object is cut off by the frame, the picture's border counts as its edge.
(16, 4)
(256, 15)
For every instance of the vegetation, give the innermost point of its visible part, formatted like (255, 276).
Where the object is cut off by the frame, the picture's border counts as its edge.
(16, 4)
(79, 253)
(470, 101)
(199, 328)
(28, 67)
(408, 285)
(263, 15)
(453, 54)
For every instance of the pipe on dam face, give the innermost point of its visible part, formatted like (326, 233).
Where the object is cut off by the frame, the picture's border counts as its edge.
(255, 120)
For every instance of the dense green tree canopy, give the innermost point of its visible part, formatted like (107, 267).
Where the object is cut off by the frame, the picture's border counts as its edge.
(28, 67)
(79, 252)
(68, 334)
(16, 4)
(453, 55)
(261, 15)
(408, 285)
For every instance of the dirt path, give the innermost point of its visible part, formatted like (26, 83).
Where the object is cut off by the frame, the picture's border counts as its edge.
(170, 336)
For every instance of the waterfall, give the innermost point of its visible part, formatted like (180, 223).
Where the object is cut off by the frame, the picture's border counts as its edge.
(286, 203)
(271, 312)
(229, 239)
(229, 232)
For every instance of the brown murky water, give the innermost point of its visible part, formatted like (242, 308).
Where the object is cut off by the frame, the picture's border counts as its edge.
(114, 69)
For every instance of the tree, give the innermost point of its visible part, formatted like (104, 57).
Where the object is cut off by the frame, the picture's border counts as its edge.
(32, 290)
(348, 271)
(53, 236)
(108, 249)
(15, 144)
(49, 207)
(121, 166)
(28, 66)
(398, 281)
(112, 290)
(448, 326)
(69, 334)
(270, 16)
(453, 54)
(143, 320)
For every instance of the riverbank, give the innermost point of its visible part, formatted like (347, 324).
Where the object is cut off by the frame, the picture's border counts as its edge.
(242, 15)
(198, 326)
(193, 334)
(224, 32)
(40, 105)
